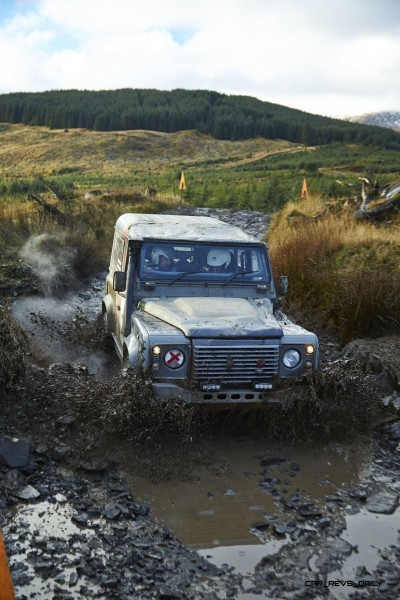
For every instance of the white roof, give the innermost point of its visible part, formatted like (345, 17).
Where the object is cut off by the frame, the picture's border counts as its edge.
(180, 227)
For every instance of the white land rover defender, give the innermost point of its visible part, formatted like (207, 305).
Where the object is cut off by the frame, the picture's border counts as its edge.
(192, 307)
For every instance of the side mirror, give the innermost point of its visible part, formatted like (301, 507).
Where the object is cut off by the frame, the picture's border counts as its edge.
(283, 285)
(119, 281)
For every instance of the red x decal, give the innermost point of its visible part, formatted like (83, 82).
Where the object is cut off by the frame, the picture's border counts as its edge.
(174, 357)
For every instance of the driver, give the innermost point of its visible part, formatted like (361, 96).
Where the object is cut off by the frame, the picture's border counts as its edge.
(162, 259)
(218, 260)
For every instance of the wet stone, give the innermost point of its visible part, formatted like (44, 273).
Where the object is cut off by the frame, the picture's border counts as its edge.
(93, 466)
(268, 487)
(13, 479)
(80, 520)
(279, 530)
(294, 466)
(165, 593)
(28, 493)
(271, 460)
(61, 452)
(309, 510)
(394, 431)
(358, 493)
(111, 511)
(16, 453)
(323, 523)
(383, 503)
(65, 421)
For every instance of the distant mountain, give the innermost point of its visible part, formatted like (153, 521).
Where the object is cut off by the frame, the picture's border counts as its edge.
(219, 115)
(387, 119)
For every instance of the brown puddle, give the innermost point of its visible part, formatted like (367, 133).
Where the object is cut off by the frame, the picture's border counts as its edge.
(216, 514)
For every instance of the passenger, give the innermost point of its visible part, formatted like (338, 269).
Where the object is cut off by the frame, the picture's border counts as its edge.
(218, 260)
(162, 259)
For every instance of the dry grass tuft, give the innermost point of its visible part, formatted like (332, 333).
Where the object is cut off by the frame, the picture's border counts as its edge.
(344, 271)
(13, 346)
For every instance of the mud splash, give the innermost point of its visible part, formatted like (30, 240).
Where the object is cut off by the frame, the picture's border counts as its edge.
(66, 330)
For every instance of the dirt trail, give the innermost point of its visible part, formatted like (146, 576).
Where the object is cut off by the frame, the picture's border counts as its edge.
(273, 501)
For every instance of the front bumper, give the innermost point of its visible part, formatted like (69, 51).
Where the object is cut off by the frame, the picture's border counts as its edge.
(168, 391)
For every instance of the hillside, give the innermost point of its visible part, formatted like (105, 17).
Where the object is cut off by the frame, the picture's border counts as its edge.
(386, 119)
(222, 116)
(32, 151)
(257, 173)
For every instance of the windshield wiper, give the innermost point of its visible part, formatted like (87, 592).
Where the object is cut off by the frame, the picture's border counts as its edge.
(183, 275)
(239, 273)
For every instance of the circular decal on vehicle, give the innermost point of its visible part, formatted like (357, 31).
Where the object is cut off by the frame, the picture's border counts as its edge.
(174, 359)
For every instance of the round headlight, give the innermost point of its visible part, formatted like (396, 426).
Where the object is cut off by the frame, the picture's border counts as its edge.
(174, 359)
(291, 358)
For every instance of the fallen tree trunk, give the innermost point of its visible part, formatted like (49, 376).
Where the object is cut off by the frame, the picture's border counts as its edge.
(390, 200)
(50, 209)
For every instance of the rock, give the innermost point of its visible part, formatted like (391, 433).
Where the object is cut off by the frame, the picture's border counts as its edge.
(28, 493)
(165, 593)
(260, 525)
(111, 511)
(383, 503)
(61, 452)
(272, 460)
(60, 498)
(394, 431)
(280, 530)
(80, 520)
(94, 466)
(294, 466)
(309, 510)
(16, 454)
(229, 492)
(65, 421)
(13, 480)
(359, 493)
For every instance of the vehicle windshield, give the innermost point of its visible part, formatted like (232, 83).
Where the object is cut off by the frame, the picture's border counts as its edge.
(199, 262)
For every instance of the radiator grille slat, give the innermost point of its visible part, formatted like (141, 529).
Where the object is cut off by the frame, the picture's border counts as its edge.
(235, 364)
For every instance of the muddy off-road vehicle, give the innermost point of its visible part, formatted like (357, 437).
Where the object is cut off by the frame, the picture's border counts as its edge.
(192, 307)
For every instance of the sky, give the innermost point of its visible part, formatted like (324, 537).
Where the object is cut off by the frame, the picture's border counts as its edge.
(330, 57)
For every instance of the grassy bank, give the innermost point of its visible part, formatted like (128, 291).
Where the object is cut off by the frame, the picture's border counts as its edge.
(65, 253)
(343, 271)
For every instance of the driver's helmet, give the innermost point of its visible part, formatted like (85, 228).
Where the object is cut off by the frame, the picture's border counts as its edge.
(160, 251)
(219, 257)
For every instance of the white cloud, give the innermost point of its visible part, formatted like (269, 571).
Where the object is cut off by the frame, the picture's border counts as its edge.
(335, 58)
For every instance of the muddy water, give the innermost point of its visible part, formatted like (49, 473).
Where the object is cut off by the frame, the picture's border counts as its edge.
(222, 513)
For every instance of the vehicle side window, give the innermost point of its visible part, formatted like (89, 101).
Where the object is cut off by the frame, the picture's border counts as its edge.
(117, 255)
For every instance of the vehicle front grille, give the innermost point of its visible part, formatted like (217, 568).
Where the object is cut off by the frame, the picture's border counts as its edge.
(234, 364)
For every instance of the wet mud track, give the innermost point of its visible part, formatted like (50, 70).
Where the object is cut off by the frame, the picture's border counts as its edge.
(214, 508)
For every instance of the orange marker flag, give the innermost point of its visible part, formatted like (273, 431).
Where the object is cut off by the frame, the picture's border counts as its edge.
(6, 585)
(182, 184)
(304, 190)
